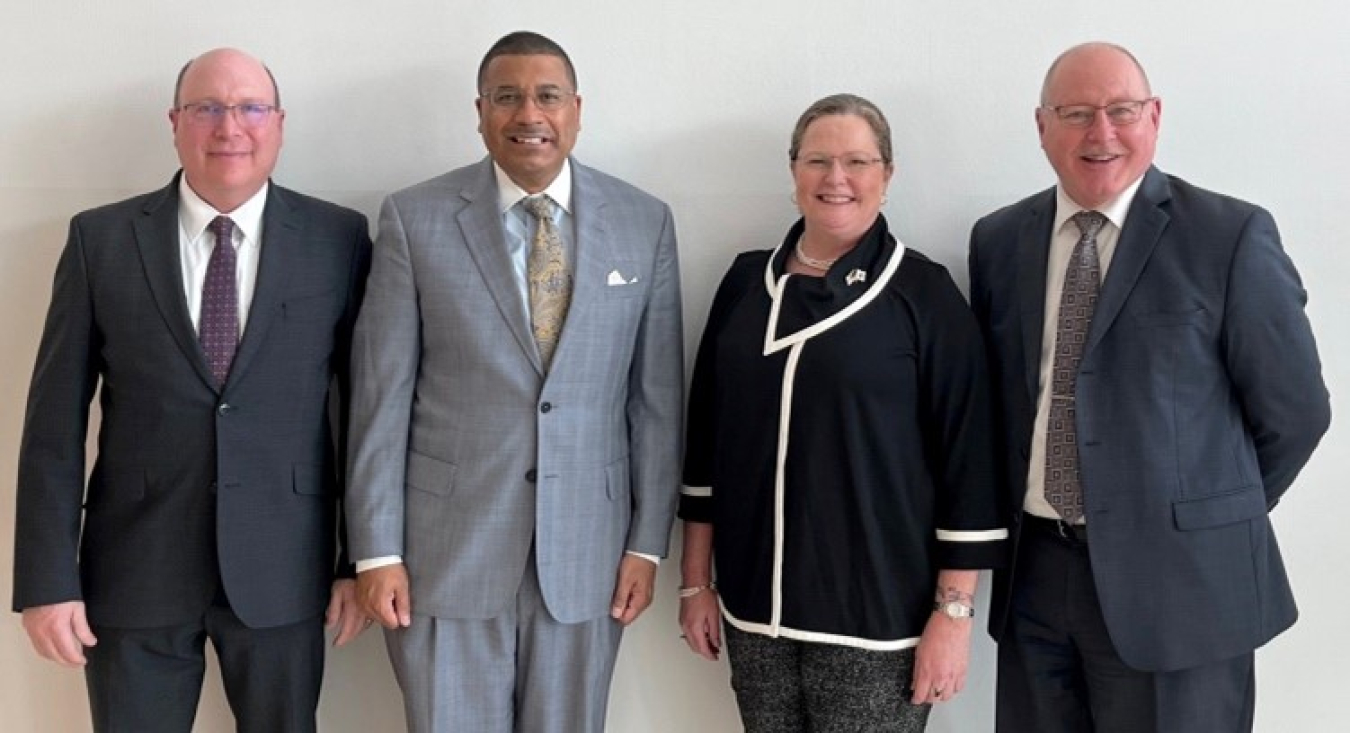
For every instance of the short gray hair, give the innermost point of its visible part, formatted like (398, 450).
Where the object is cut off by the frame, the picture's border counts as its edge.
(844, 104)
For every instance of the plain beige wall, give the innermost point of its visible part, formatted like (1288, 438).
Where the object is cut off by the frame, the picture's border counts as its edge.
(693, 101)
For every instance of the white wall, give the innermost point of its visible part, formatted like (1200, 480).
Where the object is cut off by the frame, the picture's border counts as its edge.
(693, 101)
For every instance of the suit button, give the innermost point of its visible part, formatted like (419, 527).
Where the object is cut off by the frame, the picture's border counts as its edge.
(225, 408)
(531, 475)
(546, 407)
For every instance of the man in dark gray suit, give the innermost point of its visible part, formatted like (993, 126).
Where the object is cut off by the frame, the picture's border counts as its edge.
(516, 431)
(214, 318)
(1159, 389)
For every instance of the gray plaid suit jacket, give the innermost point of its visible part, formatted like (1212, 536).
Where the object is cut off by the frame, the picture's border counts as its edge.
(465, 455)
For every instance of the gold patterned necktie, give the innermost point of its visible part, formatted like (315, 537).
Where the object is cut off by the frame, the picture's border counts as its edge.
(1077, 304)
(550, 279)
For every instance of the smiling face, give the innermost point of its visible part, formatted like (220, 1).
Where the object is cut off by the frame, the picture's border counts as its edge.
(839, 201)
(529, 143)
(226, 162)
(1096, 163)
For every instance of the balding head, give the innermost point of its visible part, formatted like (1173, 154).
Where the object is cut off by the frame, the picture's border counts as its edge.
(1089, 53)
(178, 83)
(227, 126)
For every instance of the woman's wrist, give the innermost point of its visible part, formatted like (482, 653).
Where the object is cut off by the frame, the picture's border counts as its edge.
(689, 591)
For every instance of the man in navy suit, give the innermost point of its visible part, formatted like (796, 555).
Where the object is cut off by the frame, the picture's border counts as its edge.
(214, 317)
(1159, 390)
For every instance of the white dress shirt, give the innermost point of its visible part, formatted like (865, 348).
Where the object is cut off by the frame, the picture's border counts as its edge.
(195, 243)
(1063, 237)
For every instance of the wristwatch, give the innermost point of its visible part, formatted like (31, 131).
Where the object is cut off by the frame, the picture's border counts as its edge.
(954, 609)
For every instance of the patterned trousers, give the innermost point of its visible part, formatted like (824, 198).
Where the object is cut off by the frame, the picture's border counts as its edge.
(788, 686)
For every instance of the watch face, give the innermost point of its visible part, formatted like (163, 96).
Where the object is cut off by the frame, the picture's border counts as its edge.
(955, 610)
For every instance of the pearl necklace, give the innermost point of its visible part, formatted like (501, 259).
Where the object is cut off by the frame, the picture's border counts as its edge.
(812, 262)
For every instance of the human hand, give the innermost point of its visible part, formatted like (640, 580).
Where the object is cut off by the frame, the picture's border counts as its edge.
(384, 596)
(941, 658)
(344, 613)
(700, 620)
(633, 589)
(59, 632)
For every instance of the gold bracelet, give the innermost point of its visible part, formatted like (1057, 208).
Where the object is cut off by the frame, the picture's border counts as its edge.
(689, 591)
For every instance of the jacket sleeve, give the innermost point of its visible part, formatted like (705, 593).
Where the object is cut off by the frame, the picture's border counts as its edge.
(958, 427)
(52, 452)
(701, 435)
(656, 402)
(1271, 356)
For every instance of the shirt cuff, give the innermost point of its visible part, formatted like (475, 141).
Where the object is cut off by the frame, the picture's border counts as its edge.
(652, 558)
(377, 562)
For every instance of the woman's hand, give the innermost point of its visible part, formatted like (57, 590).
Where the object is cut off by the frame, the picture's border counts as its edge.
(701, 622)
(941, 659)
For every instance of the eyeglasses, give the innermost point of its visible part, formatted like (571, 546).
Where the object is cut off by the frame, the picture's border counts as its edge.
(1119, 114)
(855, 164)
(545, 98)
(210, 114)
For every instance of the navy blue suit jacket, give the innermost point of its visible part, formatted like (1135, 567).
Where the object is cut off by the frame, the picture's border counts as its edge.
(194, 487)
(1199, 399)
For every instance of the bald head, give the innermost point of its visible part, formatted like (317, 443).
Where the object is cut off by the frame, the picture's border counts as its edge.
(1095, 55)
(220, 54)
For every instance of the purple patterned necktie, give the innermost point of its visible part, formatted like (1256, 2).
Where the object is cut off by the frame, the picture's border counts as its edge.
(219, 330)
(1077, 303)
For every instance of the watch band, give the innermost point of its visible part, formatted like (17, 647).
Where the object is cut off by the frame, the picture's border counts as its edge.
(954, 609)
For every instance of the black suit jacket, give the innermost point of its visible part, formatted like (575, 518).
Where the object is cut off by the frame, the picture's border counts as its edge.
(1199, 397)
(194, 488)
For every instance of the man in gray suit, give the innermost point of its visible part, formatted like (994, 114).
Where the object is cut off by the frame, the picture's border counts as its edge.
(518, 395)
(213, 316)
(1159, 389)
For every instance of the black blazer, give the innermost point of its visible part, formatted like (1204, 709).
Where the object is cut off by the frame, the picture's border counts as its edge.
(1200, 397)
(193, 488)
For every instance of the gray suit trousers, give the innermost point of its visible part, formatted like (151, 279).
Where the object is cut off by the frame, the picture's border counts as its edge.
(521, 671)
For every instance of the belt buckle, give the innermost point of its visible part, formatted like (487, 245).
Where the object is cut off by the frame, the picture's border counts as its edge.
(1068, 532)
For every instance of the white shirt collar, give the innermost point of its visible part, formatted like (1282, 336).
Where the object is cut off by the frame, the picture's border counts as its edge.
(560, 190)
(195, 214)
(1114, 210)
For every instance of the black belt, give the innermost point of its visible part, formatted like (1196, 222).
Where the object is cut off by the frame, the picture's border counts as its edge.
(1074, 534)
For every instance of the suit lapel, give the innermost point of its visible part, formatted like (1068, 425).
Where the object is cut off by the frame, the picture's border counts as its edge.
(594, 246)
(281, 231)
(1033, 251)
(157, 239)
(1143, 228)
(480, 225)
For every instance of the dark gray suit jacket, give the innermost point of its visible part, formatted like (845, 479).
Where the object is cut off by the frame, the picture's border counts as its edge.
(1200, 397)
(192, 486)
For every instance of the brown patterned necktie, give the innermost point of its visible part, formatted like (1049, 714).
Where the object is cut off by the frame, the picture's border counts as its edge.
(219, 329)
(550, 279)
(1077, 303)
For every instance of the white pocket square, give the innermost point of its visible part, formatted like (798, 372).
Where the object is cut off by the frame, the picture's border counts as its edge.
(616, 278)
